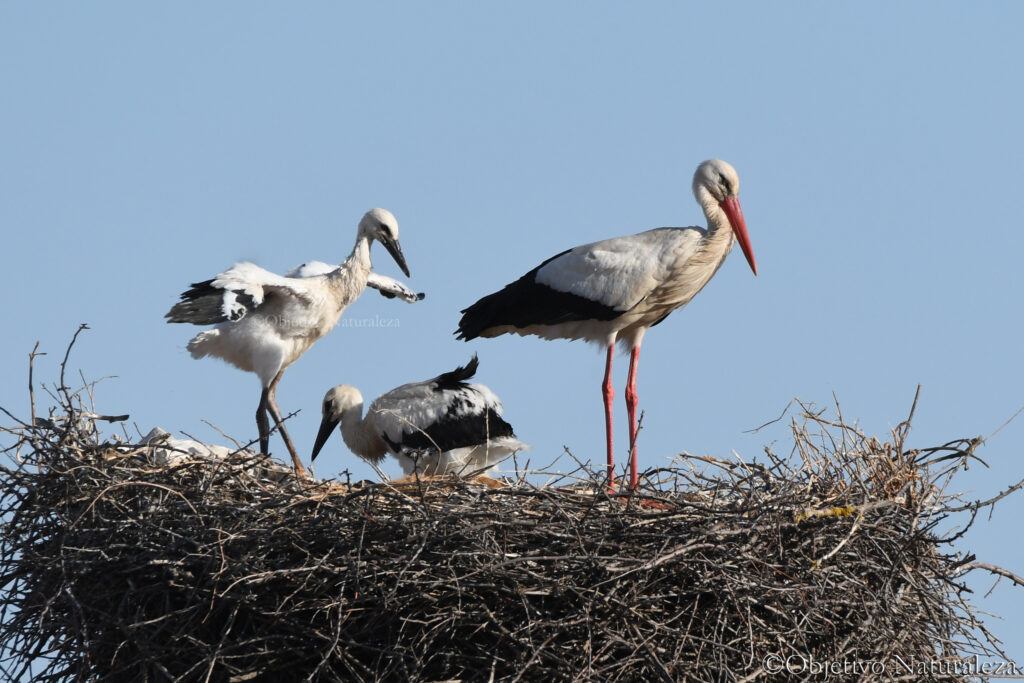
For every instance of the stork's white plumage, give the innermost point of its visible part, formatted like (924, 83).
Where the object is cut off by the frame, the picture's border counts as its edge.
(389, 287)
(169, 450)
(441, 426)
(265, 322)
(615, 290)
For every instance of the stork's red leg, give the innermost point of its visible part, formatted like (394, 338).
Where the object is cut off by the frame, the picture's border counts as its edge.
(609, 394)
(631, 402)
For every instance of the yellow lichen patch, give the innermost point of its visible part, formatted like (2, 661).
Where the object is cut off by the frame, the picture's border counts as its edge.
(835, 511)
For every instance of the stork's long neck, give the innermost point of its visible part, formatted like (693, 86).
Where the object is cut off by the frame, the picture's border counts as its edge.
(720, 237)
(359, 259)
(358, 438)
(349, 279)
(691, 273)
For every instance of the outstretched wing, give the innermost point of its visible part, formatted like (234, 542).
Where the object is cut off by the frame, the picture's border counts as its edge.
(391, 288)
(311, 269)
(387, 286)
(232, 294)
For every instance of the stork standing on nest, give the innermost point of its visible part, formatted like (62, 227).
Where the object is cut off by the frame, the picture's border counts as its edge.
(441, 426)
(615, 290)
(265, 322)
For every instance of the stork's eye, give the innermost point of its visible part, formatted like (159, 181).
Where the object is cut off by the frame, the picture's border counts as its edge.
(725, 183)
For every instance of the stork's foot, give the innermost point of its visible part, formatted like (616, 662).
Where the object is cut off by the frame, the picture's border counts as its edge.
(654, 505)
(644, 503)
(300, 471)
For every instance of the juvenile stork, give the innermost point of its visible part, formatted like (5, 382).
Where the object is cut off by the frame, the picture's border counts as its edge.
(265, 322)
(441, 426)
(614, 290)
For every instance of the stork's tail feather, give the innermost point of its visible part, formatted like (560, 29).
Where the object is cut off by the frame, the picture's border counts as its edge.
(510, 444)
(511, 305)
(480, 316)
(525, 303)
(486, 456)
(456, 378)
(203, 344)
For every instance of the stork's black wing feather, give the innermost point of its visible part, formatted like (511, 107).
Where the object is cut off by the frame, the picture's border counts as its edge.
(527, 302)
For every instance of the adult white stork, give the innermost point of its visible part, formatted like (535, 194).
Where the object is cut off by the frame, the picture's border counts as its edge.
(441, 426)
(615, 290)
(265, 322)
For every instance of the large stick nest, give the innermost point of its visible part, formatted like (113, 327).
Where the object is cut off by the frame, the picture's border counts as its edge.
(117, 566)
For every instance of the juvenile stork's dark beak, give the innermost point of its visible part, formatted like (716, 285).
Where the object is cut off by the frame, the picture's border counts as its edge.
(396, 253)
(327, 426)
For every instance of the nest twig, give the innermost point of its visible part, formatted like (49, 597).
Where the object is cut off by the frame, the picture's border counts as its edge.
(118, 568)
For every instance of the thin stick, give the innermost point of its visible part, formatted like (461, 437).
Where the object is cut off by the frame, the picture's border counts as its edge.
(31, 388)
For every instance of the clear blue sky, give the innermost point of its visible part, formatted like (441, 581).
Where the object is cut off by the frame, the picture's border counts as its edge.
(144, 147)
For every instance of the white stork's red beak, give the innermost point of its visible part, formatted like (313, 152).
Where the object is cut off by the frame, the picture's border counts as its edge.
(731, 207)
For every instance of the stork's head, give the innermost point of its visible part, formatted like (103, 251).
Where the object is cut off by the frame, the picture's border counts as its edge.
(381, 225)
(717, 189)
(339, 401)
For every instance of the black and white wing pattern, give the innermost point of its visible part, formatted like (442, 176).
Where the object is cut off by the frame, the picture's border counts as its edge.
(391, 288)
(232, 294)
(591, 283)
(444, 423)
